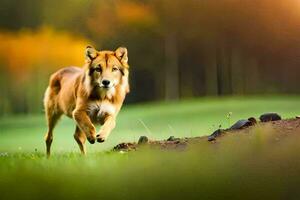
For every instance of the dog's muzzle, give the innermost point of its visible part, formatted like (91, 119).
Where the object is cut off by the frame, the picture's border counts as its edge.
(106, 84)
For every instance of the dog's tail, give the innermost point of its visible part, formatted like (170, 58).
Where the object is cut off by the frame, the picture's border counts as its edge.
(54, 83)
(52, 91)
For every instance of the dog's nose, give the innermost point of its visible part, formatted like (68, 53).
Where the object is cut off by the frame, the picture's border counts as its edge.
(105, 82)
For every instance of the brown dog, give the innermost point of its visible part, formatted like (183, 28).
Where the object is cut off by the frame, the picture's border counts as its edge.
(90, 95)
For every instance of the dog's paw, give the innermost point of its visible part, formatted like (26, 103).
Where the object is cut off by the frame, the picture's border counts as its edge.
(91, 139)
(100, 138)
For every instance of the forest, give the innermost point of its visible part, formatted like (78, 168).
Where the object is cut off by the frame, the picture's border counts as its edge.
(177, 49)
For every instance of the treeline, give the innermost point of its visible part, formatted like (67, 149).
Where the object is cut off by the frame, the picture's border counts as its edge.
(177, 48)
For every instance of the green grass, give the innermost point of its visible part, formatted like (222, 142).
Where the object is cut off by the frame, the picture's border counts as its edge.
(181, 119)
(244, 167)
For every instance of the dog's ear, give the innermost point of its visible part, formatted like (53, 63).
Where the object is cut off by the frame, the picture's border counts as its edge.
(90, 53)
(122, 55)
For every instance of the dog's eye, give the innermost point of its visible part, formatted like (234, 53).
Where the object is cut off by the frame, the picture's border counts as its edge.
(115, 69)
(98, 69)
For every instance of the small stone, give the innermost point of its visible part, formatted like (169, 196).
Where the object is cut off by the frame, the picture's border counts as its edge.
(211, 138)
(124, 147)
(241, 124)
(267, 117)
(215, 134)
(172, 138)
(120, 146)
(252, 120)
(143, 140)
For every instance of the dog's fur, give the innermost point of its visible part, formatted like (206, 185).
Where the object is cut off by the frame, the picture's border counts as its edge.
(80, 93)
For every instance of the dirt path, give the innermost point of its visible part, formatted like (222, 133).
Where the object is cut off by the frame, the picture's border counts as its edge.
(282, 128)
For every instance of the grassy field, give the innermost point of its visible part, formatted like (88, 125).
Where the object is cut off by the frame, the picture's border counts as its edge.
(238, 168)
(157, 121)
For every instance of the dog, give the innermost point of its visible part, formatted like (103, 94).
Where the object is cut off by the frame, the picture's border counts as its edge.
(90, 95)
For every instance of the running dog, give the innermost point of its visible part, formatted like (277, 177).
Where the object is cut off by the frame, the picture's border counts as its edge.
(90, 95)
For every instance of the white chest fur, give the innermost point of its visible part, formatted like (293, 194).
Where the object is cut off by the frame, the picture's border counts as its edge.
(97, 110)
(107, 108)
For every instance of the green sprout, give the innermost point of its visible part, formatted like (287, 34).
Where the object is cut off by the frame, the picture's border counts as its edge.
(229, 114)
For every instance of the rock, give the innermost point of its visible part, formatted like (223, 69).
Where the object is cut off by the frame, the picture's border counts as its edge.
(267, 117)
(298, 117)
(215, 134)
(243, 123)
(252, 120)
(172, 138)
(124, 147)
(143, 140)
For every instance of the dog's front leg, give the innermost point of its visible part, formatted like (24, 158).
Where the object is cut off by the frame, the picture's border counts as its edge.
(84, 123)
(108, 126)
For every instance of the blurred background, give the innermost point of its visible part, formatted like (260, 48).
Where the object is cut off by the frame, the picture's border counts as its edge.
(177, 49)
(195, 66)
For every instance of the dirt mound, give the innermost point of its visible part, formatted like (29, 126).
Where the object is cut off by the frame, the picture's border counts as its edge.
(283, 128)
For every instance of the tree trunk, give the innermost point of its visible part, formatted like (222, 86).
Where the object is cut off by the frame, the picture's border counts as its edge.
(171, 68)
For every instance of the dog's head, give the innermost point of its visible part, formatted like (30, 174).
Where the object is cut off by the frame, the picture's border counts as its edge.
(107, 69)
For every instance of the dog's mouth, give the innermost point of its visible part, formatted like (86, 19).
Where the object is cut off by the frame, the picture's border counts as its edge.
(106, 87)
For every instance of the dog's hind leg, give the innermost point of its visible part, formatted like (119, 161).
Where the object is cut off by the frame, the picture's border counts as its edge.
(52, 120)
(52, 116)
(80, 138)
